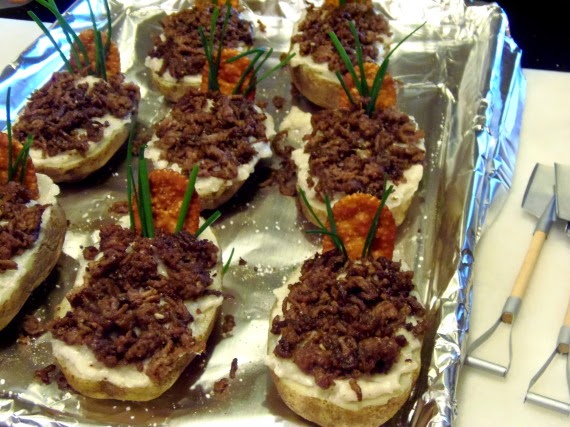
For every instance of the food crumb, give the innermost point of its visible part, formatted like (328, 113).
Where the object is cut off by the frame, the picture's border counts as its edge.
(262, 26)
(233, 368)
(221, 386)
(278, 101)
(242, 262)
(50, 373)
(33, 327)
(121, 207)
(228, 323)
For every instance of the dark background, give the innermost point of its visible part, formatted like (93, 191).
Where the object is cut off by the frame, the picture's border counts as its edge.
(541, 29)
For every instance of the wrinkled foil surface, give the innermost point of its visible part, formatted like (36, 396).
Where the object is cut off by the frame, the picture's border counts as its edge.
(461, 80)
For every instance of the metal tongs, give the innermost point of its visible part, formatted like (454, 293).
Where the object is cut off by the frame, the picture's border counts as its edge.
(562, 348)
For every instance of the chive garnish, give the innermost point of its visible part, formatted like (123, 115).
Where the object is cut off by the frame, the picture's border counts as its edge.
(208, 43)
(73, 39)
(109, 27)
(67, 30)
(187, 198)
(21, 161)
(52, 40)
(253, 65)
(100, 66)
(130, 177)
(374, 225)
(145, 205)
(226, 266)
(346, 59)
(310, 208)
(211, 219)
(9, 132)
(332, 233)
(360, 83)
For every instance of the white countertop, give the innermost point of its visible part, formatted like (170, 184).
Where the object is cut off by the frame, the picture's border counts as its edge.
(488, 400)
(484, 399)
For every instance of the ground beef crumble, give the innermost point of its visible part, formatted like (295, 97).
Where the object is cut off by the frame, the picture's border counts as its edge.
(20, 223)
(219, 140)
(285, 175)
(313, 38)
(62, 115)
(129, 313)
(341, 318)
(180, 44)
(351, 152)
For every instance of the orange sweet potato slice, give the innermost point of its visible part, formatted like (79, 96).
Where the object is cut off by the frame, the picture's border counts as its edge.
(112, 60)
(388, 92)
(30, 180)
(353, 216)
(167, 189)
(229, 73)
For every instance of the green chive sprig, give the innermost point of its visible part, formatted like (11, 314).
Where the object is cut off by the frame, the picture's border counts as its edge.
(375, 221)
(187, 198)
(332, 233)
(369, 94)
(81, 57)
(253, 68)
(100, 53)
(130, 176)
(21, 161)
(226, 266)
(208, 43)
(9, 131)
(211, 219)
(144, 201)
(141, 192)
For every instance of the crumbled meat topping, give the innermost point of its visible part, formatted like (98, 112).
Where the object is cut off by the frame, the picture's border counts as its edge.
(353, 153)
(180, 44)
(340, 320)
(285, 176)
(128, 311)
(20, 223)
(313, 38)
(64, 115)
(213, 130)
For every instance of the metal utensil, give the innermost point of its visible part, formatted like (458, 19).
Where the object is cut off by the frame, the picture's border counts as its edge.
(562, 348)
(540, 200)
(562, 176)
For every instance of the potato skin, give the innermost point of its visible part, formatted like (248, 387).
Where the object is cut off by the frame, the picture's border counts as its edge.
(106, 390)
(367, 413)
(79, 168)
(213, 200)
(172, 91)
(327, 414)
(317, 89)
(39, 266)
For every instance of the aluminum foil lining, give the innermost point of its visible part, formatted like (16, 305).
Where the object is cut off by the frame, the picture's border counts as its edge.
(463, 83)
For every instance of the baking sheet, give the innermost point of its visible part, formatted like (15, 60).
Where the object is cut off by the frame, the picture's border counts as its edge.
(463, 84)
